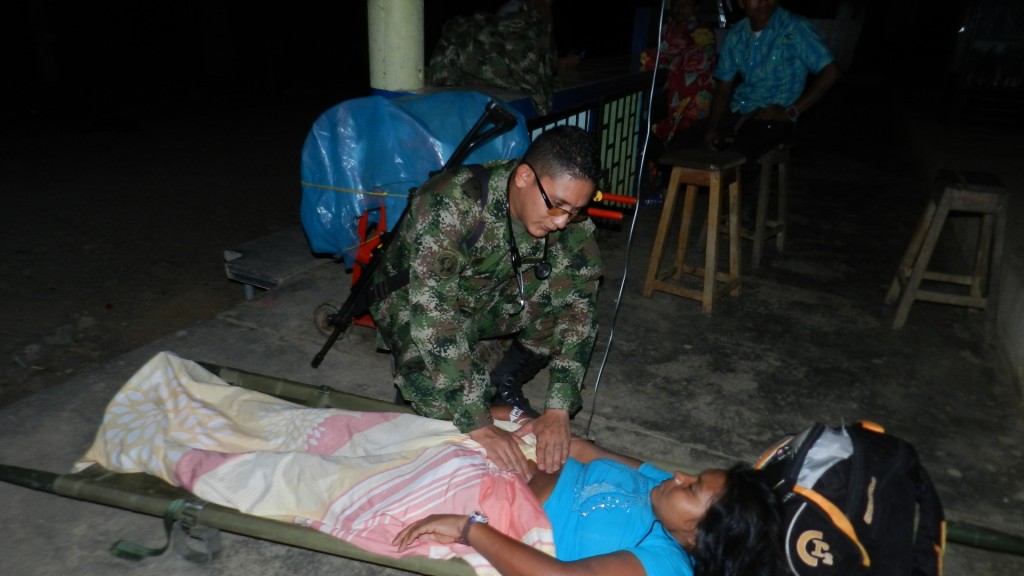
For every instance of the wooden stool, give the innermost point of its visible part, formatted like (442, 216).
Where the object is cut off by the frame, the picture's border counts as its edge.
(971, 193)
(776, 158)
(714, 170)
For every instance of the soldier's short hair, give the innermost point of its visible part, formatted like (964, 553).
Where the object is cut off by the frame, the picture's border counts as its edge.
(566, 151)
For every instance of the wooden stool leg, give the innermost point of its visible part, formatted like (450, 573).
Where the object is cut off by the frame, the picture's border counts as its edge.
(685, 225)
(735, 239)
(782, 216)
(663, 225)
(702, 236)
(711, 253)
(907, 263)
(979, 278)
(995, 275)
(763, 193)
(921, 262)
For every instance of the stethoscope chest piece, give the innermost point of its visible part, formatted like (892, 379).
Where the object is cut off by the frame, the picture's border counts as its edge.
(543, 270)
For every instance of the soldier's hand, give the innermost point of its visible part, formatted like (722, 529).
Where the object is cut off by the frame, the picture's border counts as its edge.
(502, 448)
(553, 438)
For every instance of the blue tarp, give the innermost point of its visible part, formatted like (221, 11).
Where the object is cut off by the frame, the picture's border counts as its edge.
(369, 152)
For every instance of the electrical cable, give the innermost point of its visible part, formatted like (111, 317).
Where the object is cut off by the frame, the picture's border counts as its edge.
(632, 226)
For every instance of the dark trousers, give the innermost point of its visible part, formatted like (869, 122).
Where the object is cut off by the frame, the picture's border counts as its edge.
(746, 135)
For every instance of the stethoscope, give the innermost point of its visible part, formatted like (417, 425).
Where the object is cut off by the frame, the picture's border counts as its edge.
(542, 269)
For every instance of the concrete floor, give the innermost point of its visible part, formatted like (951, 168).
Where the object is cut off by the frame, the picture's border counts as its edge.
(808, 339)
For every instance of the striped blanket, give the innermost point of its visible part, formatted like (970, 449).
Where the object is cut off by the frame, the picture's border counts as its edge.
(359, 476)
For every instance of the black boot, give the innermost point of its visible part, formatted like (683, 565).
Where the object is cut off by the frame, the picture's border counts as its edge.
(516, 368)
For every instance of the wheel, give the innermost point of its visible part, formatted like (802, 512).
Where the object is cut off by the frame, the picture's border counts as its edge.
(323, 316)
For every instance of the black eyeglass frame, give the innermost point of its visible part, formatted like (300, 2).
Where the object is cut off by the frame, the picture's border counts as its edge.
(578, 216)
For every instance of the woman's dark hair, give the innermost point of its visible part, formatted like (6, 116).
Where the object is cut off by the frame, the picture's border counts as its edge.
(741, 533)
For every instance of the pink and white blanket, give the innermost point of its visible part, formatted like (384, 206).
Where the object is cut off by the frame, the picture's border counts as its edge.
(359, 476)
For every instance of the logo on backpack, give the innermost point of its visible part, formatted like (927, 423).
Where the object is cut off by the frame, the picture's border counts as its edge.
(812, 548)
(856, 501)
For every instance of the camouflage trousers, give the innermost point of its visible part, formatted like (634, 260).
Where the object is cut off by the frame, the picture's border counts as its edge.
(488, 330)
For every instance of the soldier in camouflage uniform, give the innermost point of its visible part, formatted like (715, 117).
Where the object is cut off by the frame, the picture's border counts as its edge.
(451, 283)
(514, 51)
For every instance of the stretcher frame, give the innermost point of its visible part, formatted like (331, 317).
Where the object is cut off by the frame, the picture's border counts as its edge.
(150, 495)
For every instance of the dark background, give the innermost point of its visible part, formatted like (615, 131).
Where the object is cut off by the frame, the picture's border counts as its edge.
(139, 140)
(95, 61)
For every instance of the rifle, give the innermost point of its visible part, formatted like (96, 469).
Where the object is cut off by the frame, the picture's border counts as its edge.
(495, 120)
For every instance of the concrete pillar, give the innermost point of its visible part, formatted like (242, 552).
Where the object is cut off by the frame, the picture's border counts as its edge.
(396, 46)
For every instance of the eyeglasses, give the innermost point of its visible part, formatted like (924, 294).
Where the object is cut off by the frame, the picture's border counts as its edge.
(577, 215)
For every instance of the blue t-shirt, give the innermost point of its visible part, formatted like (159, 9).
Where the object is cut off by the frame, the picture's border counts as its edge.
(604, 506)
(774, 64)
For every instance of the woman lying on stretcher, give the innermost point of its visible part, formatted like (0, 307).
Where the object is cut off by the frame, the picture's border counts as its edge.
(612, 514)
(374, 478)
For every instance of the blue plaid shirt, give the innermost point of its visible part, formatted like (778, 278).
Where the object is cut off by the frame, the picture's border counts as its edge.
(773, 65)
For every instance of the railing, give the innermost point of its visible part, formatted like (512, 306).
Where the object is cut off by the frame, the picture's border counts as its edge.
(617, 117)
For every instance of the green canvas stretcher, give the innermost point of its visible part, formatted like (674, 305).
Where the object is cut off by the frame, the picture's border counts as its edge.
(149, 495)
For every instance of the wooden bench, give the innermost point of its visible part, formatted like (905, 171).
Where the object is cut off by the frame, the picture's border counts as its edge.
(270, 261)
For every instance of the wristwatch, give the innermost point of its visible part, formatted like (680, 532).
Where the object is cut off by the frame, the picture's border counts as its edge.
(792, 113)
(474, 518)
(515, 413)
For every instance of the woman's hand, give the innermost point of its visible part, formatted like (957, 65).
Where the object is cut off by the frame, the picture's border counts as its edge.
(502, 448)
(442, 528)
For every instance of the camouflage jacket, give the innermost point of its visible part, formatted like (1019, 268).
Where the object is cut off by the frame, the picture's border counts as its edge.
(515, 51)
(459, 294)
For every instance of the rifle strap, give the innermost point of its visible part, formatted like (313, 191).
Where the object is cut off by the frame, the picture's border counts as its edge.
(482, 177)
(478, 186)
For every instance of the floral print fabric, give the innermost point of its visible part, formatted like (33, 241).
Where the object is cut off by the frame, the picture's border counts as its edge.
(688, 56)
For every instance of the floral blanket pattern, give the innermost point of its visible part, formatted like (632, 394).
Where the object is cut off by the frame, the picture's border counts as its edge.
(359, 476)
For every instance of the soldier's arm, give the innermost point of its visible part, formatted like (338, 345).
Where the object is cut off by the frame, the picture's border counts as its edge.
(437, 228)
(576, 271)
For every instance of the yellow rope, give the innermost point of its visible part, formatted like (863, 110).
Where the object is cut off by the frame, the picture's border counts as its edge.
(353, 190)
(360, 244)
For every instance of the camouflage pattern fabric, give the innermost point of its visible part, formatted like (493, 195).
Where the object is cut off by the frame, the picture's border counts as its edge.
(459, 297)
(515, 51)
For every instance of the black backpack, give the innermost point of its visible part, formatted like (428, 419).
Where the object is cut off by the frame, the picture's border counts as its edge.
(856, 502)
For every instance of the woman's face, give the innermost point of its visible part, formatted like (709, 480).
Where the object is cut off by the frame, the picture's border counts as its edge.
(681, 502)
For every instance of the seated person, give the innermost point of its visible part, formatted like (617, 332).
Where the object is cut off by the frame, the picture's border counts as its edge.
(683, 62)
(612, 514)
(761, 85)
(512, 49)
